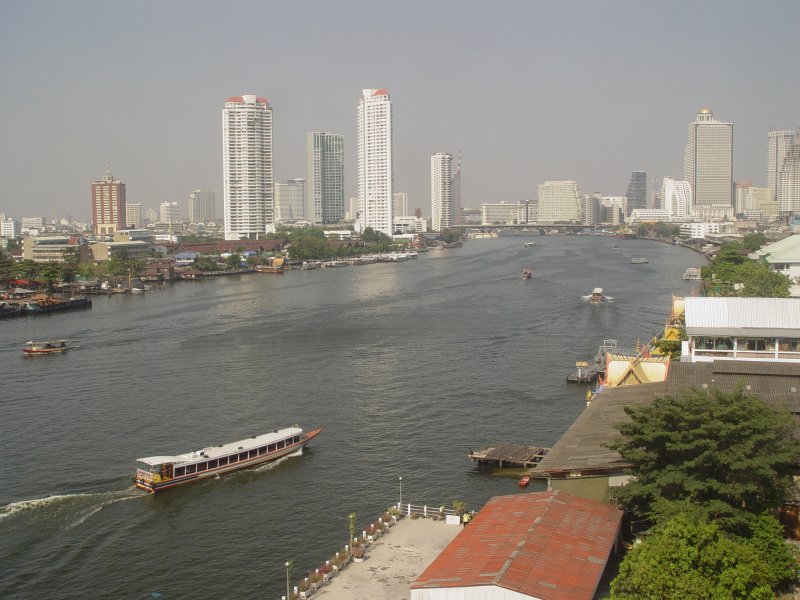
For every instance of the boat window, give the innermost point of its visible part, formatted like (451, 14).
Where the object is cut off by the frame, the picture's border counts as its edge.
(223, 461)
(212, 464)
(180, 471)
(252, 453)
(242, 456)
(202, 467)
(191, 469)
(262, 450)
(271, 448)
(281, 444)
(297, 439)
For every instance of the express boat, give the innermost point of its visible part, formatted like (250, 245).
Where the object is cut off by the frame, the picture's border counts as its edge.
(156, 473)
(33, 348)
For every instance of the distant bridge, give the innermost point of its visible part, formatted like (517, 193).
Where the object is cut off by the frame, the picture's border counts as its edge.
(542, 228)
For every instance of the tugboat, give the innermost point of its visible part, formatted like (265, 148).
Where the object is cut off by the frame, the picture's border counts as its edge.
(527, 273)
(33, 348)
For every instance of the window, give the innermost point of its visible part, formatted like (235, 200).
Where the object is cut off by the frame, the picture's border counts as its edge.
(202, 467)
(789, 344)
(271, 448)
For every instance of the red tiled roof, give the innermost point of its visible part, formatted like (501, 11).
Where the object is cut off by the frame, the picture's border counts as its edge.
(235, 99)
(548, 545)
(380, 92)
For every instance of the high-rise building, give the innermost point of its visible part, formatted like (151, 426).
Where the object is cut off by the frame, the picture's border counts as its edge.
(201, 206)
(169, 212)
(455, 186)
(778, 145)
(441, 191)
(290, 198)
(247, 168)
(375, 169)
(133, 215)
(325, 202)
(750, 198)
(400, 204)
(108, 205)
(708, 163)
(677, 197)
(637, 191)
(352, 208)
(559, 201)
(789, 183)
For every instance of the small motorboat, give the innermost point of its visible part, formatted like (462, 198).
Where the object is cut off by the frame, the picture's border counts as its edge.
(524, 481)
(528, 244)
(33, 348)
(597, 296)
(527, 273)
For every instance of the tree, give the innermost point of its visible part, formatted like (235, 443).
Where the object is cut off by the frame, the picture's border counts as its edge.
(753, 241)
(725, 455)
(51, 272)
(686, 559)
(234, 261)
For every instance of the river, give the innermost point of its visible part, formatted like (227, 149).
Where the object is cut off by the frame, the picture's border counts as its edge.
(405, 366)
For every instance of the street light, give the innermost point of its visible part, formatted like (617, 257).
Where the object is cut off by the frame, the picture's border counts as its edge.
(288, 567)
(401, 493)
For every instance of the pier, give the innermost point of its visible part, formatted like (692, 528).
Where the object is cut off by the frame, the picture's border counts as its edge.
(509, 455)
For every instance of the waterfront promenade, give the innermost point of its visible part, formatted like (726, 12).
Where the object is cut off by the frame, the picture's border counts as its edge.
(392, 562)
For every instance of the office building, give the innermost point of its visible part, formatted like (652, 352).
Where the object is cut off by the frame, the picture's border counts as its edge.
(677, 198)
(325, 202)
(789, 183)
(778, 145)
(290, 198)
(708, 164)
(455, 187)
(637, 191)
(559, 201)
(133, 214)
(108, 205)
(247, 168)
(750, 197)
(169, 212)
(441, 191)
(375, 168)
(352, 209)
(613, 209)
(400, 204)
(201, 206)
(9, 228)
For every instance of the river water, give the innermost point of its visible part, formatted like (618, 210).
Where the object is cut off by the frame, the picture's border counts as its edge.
(405, 366)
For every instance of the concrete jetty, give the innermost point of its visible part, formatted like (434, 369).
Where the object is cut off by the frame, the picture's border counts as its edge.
(392, 562)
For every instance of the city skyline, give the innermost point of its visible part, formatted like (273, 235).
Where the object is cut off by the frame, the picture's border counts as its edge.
(557, 103)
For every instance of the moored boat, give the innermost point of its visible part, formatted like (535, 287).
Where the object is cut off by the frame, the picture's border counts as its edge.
(34, 348)
(156, 473)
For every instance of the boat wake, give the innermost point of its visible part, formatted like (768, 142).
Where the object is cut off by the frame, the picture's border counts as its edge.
(588, 298)
(64, 507)
(275, 463)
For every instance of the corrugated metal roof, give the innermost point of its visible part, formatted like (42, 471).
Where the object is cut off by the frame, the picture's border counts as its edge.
(549, 545)
(786, 250)
(742, 313)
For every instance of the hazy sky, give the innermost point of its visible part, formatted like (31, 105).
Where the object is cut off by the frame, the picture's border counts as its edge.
(528, 90)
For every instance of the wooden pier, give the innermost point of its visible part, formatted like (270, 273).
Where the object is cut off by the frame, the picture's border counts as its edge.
(508, 455)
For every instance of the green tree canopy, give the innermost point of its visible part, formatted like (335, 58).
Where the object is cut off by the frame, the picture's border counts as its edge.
(727, 455)
(687, 559)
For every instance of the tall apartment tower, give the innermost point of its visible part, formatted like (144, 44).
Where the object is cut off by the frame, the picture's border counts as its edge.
(325, 202)
(375, 168)
(201, 206)
(789, 183)
(133, 215)
(677, 197)
(455, 185)
(708, 162)
(637, 191)
(290, 199)
(441, 191)
(400, 204)
(778, 145)
(559, 201)
(108, 205)
(247, 169)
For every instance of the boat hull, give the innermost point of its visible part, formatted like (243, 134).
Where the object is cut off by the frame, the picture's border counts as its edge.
(255, 461)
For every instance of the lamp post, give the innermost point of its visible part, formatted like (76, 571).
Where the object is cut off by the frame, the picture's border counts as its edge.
(288, 567)
(401, 492)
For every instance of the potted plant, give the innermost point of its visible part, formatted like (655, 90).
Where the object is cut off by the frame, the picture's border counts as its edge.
(395, 513)
(358, 552)
(305, 588)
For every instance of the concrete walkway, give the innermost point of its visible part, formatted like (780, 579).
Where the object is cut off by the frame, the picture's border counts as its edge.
(392, 562)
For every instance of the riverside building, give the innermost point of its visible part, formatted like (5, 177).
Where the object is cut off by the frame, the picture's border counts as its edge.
(559, 201)
(441, 191)
(290, 200)
(108, 205)
(637, 191)
(325, 203)
(677, 197)
(708, 165)
(247, 167)
(375, 166)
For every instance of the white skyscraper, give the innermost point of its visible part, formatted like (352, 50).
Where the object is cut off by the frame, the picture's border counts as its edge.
(400, 202)
(201, 206)
(789, 183)
(325, 202)
(133, 215)
(455, 186)
(375, 174)
(290, 200)
(708, 163)
(441, 191)
(778, 145)
(248, 178)
(559, 201)
(677, 197)
(169, 212)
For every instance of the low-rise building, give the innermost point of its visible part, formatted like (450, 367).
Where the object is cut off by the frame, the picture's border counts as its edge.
(102, 251)
(54, 248)
(784, 257)
(699, 230)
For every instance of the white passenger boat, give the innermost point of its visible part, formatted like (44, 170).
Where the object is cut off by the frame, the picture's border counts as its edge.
(156, 473)
(597, 296)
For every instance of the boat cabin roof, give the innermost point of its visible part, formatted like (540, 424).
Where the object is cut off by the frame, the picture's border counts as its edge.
(597, 291)
(212, 452)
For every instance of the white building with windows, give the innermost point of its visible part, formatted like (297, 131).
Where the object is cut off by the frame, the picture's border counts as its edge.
(789, 183)
(325, 193)
(708, 164)
(133, 214)
(400, 202)
(290, 200)
(247, 168)
(559, 201)
(410, 225)
(375, 165)
(699, 230)
(169, 212)
(778, 145)
(649, 215)
(9, 228)
(677, 197)
(441, 191)
(751, 329)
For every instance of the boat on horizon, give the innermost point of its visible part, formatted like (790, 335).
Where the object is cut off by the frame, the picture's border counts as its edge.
(157, 473)
(33, 348)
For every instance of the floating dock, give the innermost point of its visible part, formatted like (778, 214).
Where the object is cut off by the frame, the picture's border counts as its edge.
(508, 455)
